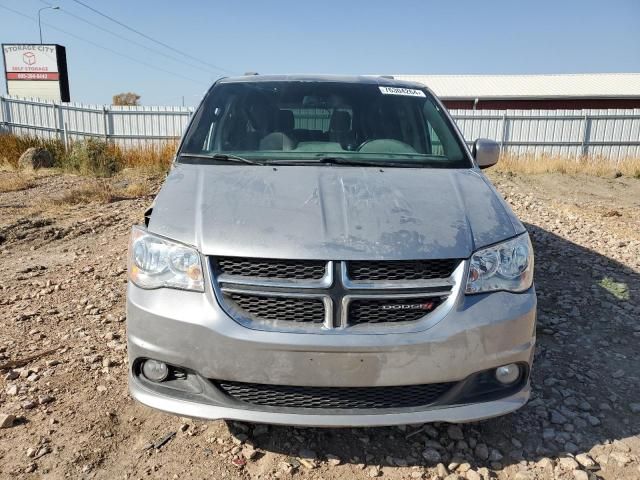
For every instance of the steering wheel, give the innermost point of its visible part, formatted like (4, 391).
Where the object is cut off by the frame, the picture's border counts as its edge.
(385, 145)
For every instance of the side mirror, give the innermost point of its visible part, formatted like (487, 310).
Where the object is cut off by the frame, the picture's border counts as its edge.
(486, 152)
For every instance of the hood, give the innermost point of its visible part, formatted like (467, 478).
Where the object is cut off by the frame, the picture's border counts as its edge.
(331, 212)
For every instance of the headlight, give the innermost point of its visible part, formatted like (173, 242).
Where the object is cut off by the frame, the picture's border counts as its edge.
(505, 266)
(156, 262)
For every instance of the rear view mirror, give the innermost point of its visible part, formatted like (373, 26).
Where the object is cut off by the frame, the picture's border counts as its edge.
(486, 152)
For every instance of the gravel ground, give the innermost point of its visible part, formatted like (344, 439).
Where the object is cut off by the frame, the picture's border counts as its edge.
(65, 412)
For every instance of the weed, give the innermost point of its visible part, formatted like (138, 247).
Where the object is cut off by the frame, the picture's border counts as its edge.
(617, 289)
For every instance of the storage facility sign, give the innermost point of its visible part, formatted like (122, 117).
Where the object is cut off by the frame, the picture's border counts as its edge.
(31, 62)
(37, 71)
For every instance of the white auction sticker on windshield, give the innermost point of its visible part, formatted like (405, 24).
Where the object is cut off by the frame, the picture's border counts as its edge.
(409, 92)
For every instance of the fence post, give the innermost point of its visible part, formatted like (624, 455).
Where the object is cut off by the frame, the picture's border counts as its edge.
(6, 113)
(503, 138)
(59, 122)
(1, 111)
(586, 134)
(105, 121)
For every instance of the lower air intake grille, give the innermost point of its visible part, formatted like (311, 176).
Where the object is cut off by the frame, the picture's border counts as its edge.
(288, 309)
(401, 270)
(335, 397)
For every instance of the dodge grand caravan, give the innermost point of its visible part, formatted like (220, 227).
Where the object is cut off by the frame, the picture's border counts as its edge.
(325, 251)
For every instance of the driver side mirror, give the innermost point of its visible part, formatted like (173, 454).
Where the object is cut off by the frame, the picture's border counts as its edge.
(485, 152)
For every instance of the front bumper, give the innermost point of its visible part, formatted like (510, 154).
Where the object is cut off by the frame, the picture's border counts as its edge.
(190, 330)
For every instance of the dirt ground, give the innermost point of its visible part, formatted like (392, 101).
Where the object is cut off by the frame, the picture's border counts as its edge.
(62, 287)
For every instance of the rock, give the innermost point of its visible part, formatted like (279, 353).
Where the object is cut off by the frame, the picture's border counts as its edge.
(585, 460)
(101, 389)
(260, 430)
(34, 158)
(441, 470)
(374, 472)
(44, 399)
(621, 458)
(525, 475)
(333, 460)
(307, 463)
(634, 407)
(482, 451)
(12, 375)
(545, 463)
(594, 421)
(285, 467)
(310, 454)
(431, 455)
(249, 452)
(455, 432)
(30, 468)
(28, 404)
(580, 475)
(6, 420)
(568, 463)
(472, 475)
(557, 418)
(618, 373)
(495, 455)
(12, 390)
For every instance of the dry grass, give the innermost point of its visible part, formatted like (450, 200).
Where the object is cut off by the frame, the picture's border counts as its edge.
(151, 158)
(103, 191)
(12, 182)
(12, 146)
(591, 165)
(93, 157)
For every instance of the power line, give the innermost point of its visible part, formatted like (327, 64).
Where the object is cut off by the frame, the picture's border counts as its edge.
(149, 38)
(141, 45)
(115, 52)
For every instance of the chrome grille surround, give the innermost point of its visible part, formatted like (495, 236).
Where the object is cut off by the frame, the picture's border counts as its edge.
(336, 291)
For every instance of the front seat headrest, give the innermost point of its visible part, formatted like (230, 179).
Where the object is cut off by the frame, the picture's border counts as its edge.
(286, 122)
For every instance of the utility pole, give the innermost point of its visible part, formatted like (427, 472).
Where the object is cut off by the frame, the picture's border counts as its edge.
(39, 23)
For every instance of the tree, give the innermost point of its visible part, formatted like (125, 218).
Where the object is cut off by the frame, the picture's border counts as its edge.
(128, 98)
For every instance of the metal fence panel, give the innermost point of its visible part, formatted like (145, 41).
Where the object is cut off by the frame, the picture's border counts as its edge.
(609, 133)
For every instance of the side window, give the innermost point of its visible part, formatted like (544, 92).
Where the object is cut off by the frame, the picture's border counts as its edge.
(436, 144)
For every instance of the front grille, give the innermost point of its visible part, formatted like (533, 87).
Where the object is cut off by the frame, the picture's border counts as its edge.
(374, 311)
(316, 296)
(401, 270)
(335, 397)
(270, 268)
(287, 309)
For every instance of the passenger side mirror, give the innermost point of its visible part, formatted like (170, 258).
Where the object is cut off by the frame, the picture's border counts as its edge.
(486, 152)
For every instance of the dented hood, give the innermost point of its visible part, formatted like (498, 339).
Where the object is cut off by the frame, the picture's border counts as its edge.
(331, 212)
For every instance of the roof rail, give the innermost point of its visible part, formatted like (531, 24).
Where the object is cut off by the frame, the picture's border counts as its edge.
(251, 73)
(390, 77)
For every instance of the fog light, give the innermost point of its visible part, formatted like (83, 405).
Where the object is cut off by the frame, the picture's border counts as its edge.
(155, 371)
(508, 373)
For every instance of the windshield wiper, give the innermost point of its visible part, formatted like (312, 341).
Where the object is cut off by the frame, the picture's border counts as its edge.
(359, 161)
(223, 157)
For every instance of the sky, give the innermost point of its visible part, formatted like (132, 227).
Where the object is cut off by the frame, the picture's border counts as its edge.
(213, 38)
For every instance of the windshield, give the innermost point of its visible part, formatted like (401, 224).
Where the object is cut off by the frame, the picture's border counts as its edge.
(304, 121)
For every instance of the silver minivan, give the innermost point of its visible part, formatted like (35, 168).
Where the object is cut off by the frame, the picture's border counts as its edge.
(326, 251)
